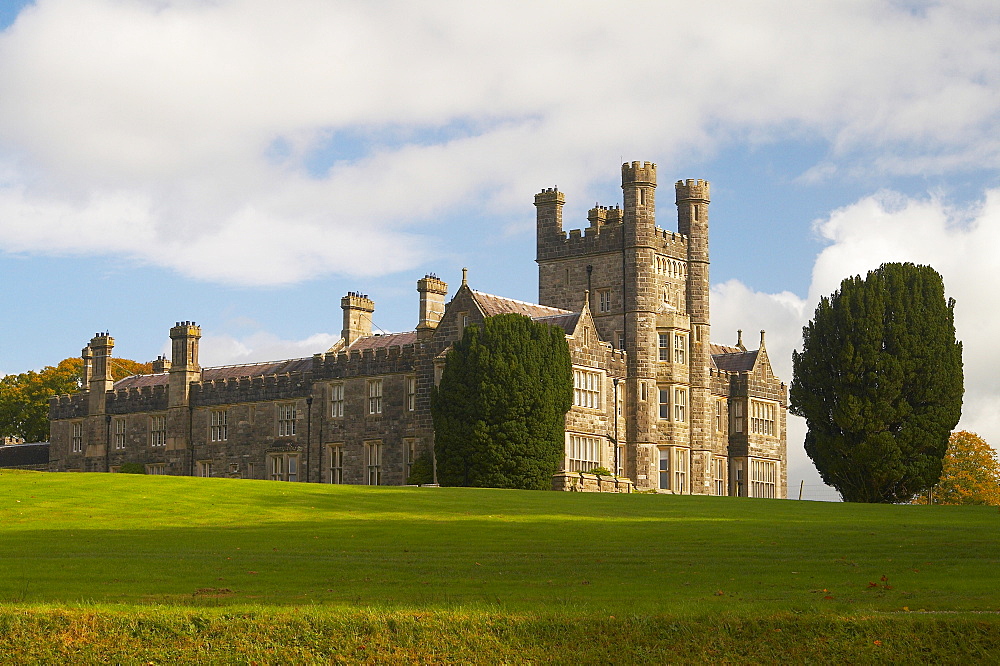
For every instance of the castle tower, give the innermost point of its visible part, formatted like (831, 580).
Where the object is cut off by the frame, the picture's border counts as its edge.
(432, 301)
(692, 197)
(548, 215)
(358, 309)
(101, 380)
(641, 302)
(184, 368)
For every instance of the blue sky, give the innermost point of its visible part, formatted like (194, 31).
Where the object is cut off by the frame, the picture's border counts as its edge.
(245, 164)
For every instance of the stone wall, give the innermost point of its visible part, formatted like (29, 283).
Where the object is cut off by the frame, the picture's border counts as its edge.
(583, 482)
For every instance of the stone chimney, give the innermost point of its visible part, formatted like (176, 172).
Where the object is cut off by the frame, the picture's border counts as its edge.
(161, 364)
(101, 380)
(432, 294)
(184, 368)
(87, 356)
(358, 309)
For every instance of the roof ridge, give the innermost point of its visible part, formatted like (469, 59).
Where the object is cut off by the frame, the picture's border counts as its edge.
(520, 302)
(241, 365)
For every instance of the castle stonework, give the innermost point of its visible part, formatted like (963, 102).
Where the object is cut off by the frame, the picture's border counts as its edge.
(655, 401)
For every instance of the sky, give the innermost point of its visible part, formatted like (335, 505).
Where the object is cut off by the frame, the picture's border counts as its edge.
(244, 164)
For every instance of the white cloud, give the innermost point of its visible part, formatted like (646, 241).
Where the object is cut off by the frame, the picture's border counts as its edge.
(159, 115)
(218, 350)
(961, 244)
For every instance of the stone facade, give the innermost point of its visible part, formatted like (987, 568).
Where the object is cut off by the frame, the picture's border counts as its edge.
(654, 400)
(700, 418)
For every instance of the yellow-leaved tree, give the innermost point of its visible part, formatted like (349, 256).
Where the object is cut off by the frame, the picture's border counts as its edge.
(971, 473)
(24, 398)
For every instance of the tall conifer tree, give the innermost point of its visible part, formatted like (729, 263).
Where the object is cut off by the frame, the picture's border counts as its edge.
(879, 381)
(500, 407)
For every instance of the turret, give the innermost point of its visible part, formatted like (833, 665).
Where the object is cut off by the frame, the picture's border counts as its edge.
(692, 221)
(639, 192)
(641, 299)
(101, 380)
(184, 368)
(548, 215)
(358, 309)
(432, 298)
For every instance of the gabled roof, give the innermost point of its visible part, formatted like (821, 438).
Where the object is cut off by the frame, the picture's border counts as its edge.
(493, 305)
(725, 349)
(738, 361)
(567, 322)
(384, 340)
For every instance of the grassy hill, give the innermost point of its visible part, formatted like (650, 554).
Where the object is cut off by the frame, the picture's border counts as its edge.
(519, 576)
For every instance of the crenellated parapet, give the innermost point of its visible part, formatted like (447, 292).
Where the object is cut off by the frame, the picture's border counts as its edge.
(355, 363)
(69, 406)
(284, 386)
(606, 237)
(639, 173)
(140, 399)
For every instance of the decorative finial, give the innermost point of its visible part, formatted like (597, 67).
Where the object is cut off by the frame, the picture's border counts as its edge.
(465, 277)
(739, 339)
(762, 338)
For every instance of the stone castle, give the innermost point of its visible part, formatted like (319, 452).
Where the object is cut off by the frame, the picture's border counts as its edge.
(655, 401)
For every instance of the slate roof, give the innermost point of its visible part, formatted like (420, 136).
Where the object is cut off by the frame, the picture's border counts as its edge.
(738, 361)
(20, 455)
(223, 372)
(567, 322)
(140, 381)
(725, 349)
(494, 305)
(384, 340)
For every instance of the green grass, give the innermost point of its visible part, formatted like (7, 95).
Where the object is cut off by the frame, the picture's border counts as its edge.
(520, 576)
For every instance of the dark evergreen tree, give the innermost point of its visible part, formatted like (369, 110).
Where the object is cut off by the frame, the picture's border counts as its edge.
(879, 382)
(500, 407)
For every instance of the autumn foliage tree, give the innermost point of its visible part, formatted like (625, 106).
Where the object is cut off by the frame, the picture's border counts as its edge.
(970, 475)
(24, 398)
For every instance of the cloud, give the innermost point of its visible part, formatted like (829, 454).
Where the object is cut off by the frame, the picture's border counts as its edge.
(193, 128)
(960, 243)
(260, 346)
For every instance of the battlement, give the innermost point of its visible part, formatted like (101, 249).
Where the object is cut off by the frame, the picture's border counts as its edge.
(601, 215)
(639, 173)
(692, 190)
(68, 406)
(252, 389)
(139, 399)
(550, 195)
(605, 238)
(356, 362)
(357, 301)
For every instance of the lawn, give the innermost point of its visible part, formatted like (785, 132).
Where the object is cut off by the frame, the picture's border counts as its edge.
(555, 569)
